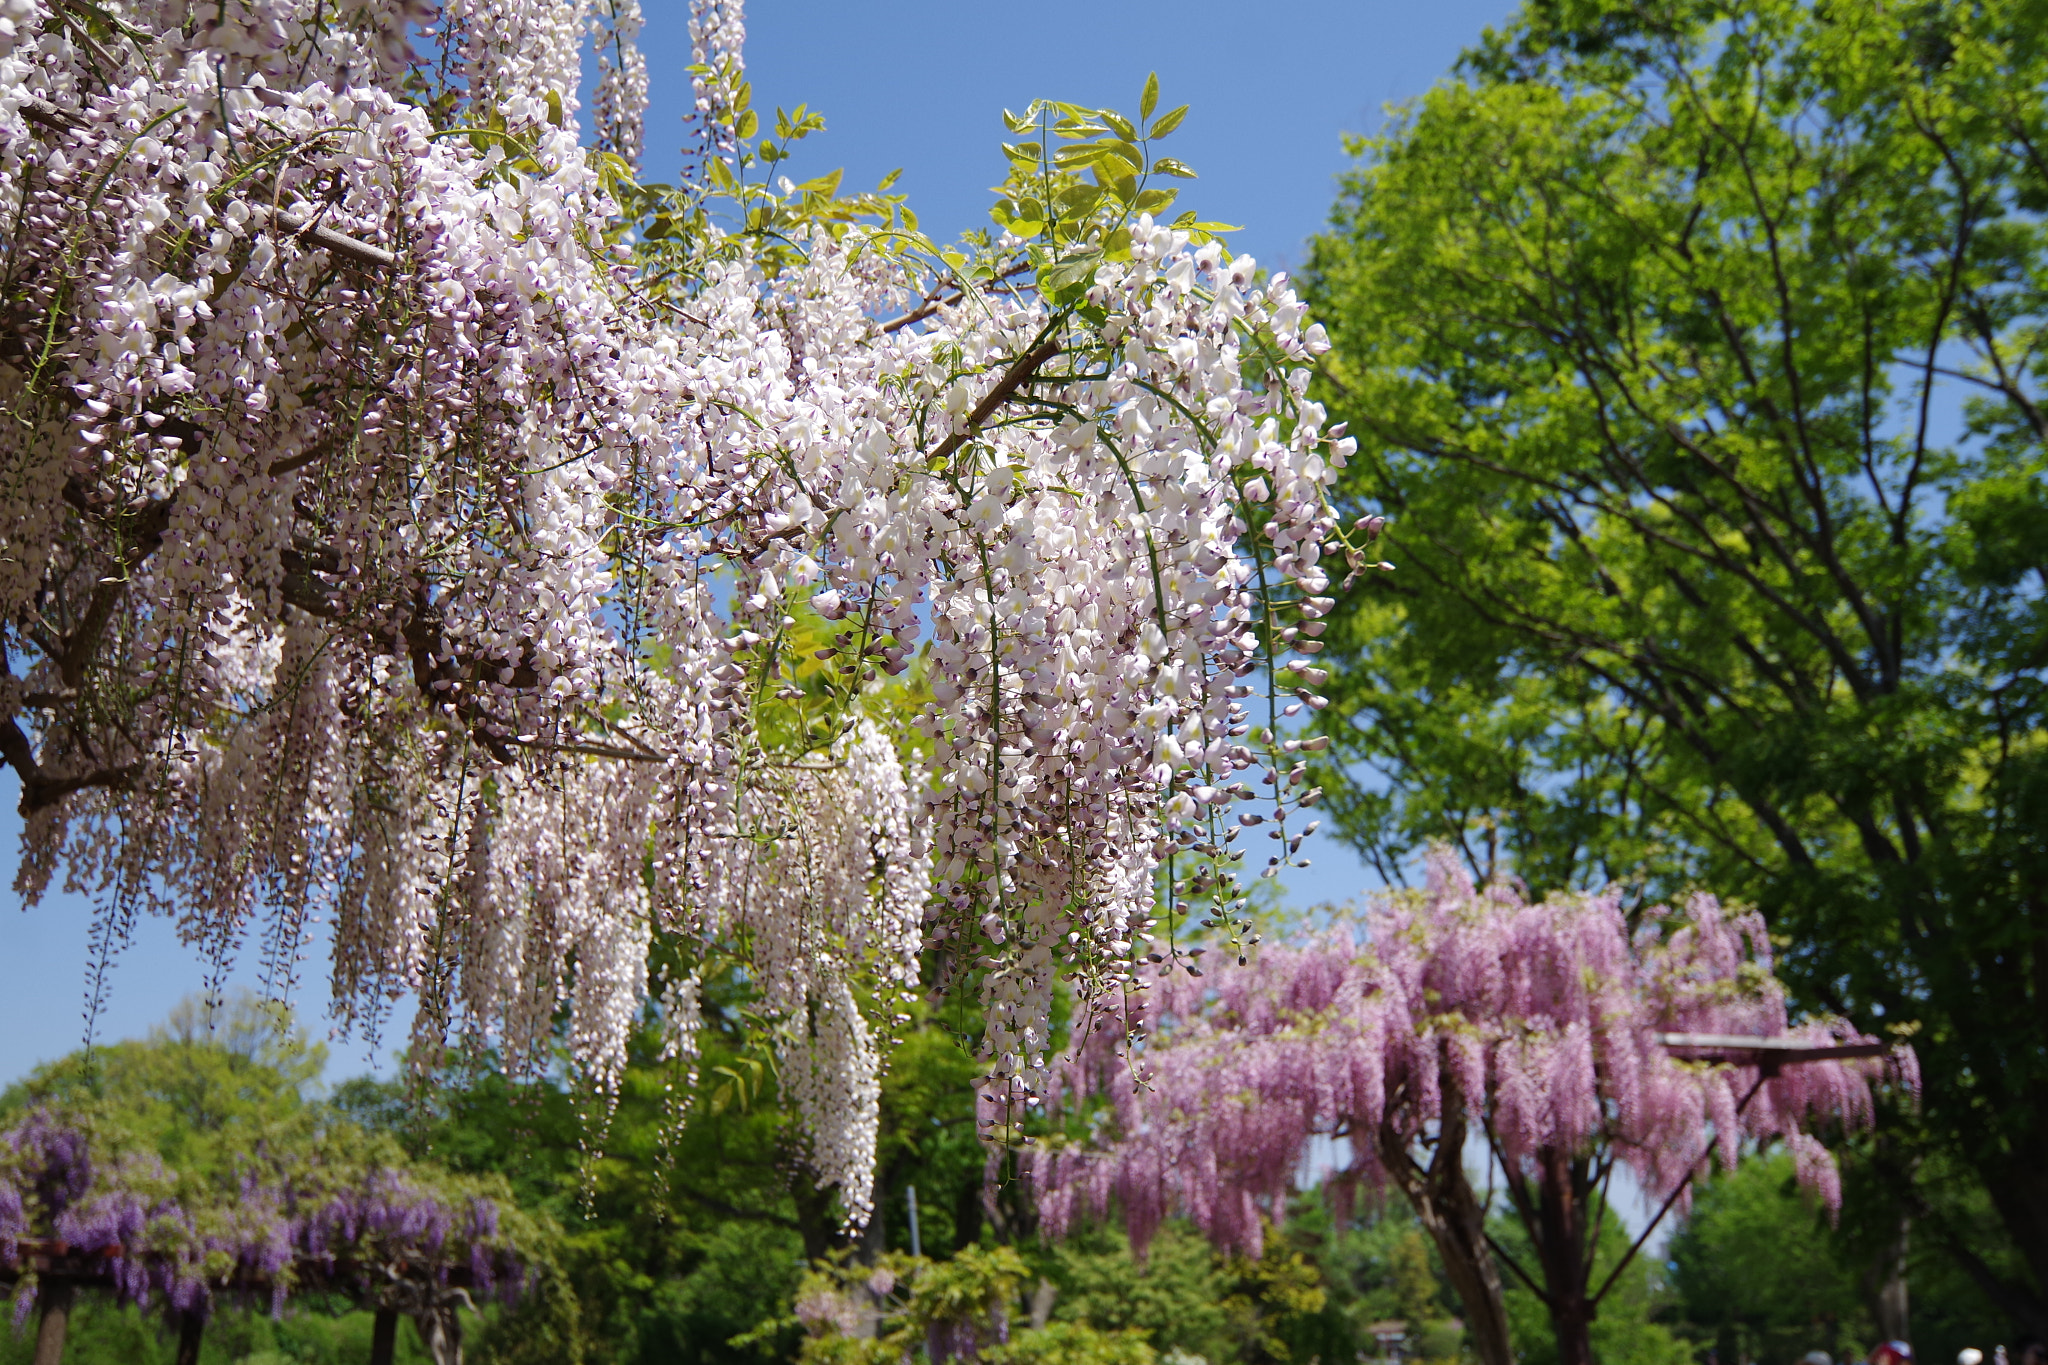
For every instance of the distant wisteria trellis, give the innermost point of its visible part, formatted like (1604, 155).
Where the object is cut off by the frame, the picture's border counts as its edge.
(368, 1231)
(409, 523)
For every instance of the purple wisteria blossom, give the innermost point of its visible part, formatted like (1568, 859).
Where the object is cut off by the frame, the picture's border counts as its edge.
(282, 1224)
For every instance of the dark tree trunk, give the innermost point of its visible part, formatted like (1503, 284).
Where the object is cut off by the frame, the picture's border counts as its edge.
(191, 1329)
(384, 1337)
(966, 1216)
(2019, 1192)
(57, 1297)
(1564, 1194)
(814, 1218)
(1450, 1212)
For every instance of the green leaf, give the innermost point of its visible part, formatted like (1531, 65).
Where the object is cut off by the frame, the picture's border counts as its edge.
(1148, 101)
(1118, 124)
(1017, 126)
(743, 97)
(1167, 165)
(1081, 154)
(1070, 275)
(888, 180)
(555, 108)
(1169, 121)
(1154, 201)
(749, 123)
(826, 185)
(1077, 201)
(1126, 151)
(1023, 151)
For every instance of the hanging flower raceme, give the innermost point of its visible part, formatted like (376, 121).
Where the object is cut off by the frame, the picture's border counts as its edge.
(1546, 1020)
(413, 525)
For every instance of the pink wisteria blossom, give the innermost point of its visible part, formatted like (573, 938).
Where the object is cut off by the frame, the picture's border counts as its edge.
(1458, 1008)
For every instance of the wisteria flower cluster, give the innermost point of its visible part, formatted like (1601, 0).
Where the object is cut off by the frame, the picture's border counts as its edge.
(1542, 1021)
(410, 523)
(342, 1221)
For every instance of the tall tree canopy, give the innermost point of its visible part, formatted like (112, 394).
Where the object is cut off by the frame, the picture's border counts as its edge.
(1644, 324)
(409, 520)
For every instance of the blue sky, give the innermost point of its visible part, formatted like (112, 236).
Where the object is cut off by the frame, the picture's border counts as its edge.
(918, 85)
(922, 85)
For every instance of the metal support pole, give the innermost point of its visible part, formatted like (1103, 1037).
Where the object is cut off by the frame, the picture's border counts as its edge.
(916, 1242)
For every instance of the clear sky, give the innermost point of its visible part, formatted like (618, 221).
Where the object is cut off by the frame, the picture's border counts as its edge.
(919, 85)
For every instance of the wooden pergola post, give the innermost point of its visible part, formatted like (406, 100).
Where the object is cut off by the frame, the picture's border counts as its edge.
(383, 1337)
(57, 1296)
(434, 1295)
(191, 1327)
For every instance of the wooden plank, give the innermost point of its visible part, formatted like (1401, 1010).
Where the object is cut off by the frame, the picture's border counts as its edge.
(1778, 1048)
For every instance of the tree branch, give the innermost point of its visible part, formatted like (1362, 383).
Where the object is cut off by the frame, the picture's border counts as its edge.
(1014, 378)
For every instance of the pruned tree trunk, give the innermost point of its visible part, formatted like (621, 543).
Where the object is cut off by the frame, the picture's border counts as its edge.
(1450, 1212)
(441, 1331)
(1041, 1303)
(191, 1330)
(57, 1297)
(383, 1337)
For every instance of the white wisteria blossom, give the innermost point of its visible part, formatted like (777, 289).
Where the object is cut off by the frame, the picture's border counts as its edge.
(413, 525)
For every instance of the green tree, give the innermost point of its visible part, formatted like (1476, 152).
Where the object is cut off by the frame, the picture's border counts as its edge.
(1378, 1269)
(1756, 1268)
(1066, 1343)
(1628, 1330)
(1175, 1296)
(688, 1244)
(1642, 324)
(203, 1088)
